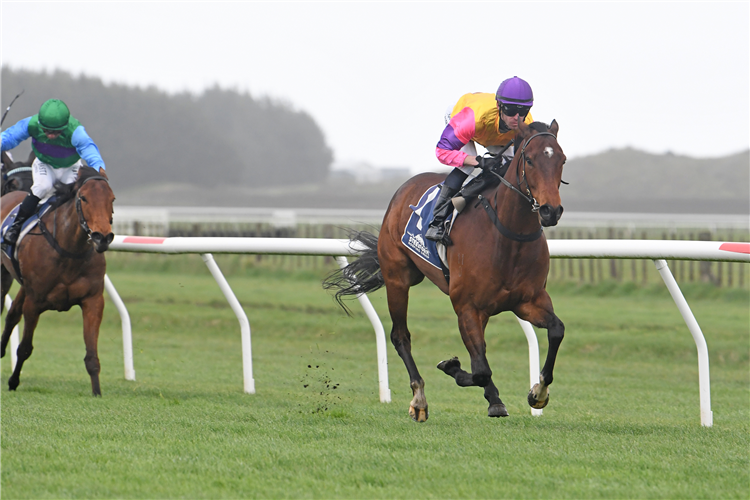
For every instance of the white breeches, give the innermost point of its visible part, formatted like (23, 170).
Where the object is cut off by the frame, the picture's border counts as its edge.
(45, 177)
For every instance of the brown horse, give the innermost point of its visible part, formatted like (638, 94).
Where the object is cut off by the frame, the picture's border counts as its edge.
(498, 262)
(59, 267)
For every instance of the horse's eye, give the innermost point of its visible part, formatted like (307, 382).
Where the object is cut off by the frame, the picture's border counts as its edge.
(110, 221)
(83, 198)
(529, 162)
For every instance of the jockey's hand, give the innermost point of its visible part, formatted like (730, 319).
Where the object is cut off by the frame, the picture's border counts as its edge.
(490, 162)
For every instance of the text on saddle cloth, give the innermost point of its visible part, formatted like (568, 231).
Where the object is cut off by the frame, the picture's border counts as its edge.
(413, 237)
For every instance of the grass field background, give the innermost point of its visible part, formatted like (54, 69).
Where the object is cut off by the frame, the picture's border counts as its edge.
(623, 419)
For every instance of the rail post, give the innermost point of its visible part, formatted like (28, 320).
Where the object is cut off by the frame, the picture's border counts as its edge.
(380, 344)
(704, 382)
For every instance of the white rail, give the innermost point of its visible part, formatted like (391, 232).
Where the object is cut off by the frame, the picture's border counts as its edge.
(658, 251)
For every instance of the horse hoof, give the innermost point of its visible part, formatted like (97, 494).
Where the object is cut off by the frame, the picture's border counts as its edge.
(449, 364)
(535, 403)
(418, 414)
(12, 384)
(497, 410)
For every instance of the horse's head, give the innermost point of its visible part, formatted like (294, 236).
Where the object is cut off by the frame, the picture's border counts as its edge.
(94, 199)
(16, 174)
(541, 165)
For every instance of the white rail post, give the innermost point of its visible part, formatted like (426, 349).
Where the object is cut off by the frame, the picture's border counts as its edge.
(380, 344)
(528, 330)
(704, 383)
(127, 334)
(13, 337)
(247, 350)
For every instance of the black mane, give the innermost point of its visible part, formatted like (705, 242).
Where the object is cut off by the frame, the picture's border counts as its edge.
(539, 126)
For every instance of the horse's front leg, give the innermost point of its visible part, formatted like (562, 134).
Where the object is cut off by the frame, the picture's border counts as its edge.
(540, 313)
(472, 324)
(11, 319)
(93, 310)
(25, 347)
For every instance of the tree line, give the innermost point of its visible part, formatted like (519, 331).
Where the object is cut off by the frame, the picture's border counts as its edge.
(147, 136)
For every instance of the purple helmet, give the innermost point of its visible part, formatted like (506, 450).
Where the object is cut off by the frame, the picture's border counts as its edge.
(515, 91)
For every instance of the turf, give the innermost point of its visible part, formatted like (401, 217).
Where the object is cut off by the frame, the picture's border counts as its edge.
(623, 419)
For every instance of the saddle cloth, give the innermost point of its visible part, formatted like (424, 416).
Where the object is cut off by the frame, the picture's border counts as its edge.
(413, 237)
(27, 226)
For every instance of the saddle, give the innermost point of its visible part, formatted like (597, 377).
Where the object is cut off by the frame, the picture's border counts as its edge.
(31, 222)
(414, 232)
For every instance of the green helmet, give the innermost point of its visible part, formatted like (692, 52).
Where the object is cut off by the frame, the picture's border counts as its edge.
(54, 115)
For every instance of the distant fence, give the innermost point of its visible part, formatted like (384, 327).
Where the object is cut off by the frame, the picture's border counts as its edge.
(335, 223)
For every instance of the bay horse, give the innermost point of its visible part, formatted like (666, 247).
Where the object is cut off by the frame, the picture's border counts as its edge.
(498, 262)
(16, 174)
(62, 264)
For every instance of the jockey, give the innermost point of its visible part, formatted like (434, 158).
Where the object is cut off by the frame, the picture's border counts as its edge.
(59, 142)
(487, 119)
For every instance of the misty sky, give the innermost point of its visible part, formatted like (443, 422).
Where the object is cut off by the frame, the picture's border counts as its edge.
(378, 77)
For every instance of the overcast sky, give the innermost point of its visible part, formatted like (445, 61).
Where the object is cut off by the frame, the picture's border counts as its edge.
(378, 76)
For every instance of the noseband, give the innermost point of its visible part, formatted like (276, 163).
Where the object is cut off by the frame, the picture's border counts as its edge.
(522, 178)
(79, 209)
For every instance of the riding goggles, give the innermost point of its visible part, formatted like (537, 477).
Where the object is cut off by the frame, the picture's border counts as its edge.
(515, 109)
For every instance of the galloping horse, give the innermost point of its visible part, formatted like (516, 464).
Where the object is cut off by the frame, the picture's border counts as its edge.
(499, 262)
(59, 267)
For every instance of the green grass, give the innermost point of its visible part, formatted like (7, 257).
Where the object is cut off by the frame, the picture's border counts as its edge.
(623, 419)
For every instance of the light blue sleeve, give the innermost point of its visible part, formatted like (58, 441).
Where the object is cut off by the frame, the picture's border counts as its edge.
(16, 134)
(87, 149)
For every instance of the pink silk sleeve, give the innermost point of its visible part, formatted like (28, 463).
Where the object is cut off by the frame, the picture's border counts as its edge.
(459, 131)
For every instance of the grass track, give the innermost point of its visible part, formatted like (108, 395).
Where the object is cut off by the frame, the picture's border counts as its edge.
(623, 420)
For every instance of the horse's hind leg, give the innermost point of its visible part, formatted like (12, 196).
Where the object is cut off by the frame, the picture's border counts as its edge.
(30, 320)
(93, 310)
(6, 280)
(541, 314)
(399, 277)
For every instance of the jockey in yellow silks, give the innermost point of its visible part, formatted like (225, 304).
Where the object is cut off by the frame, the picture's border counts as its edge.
(490, 120)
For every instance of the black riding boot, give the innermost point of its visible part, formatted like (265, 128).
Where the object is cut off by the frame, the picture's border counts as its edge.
(443, 207)
(26, 210)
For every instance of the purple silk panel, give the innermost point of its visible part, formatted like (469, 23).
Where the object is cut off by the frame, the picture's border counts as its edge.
(53, 150)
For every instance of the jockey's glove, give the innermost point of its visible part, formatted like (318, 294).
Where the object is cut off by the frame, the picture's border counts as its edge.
(489, 162)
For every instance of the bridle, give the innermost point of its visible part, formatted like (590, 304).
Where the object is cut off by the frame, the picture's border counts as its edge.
(50, 237)
(79, 209)
(522, 177)
(491, 212)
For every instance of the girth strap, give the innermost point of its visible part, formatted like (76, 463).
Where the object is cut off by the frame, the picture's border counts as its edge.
(523, 238)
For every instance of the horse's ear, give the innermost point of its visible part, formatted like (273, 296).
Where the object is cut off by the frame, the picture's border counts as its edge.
(103, 173)
(554, 127)
(31, 159)
(6, 161)
(525, 130)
